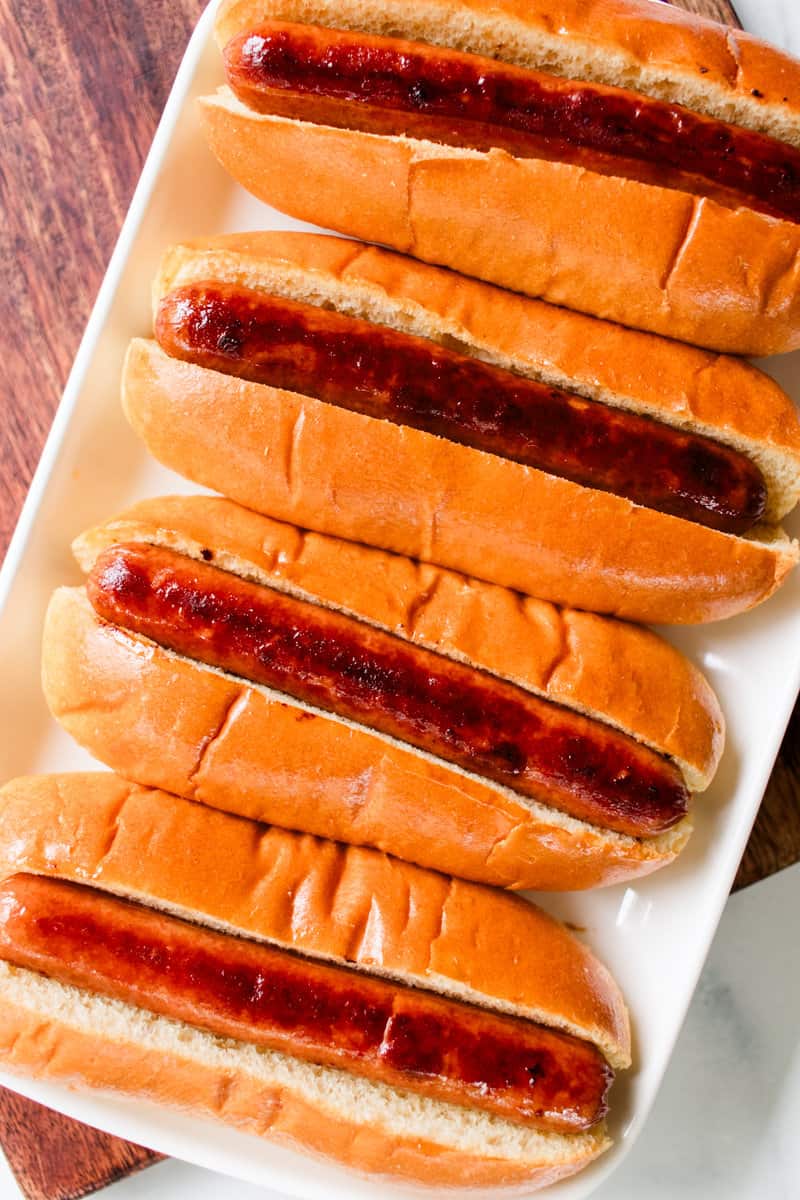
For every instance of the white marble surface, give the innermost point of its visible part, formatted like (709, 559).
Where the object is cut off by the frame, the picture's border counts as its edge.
(727, 1118)
(776, 20)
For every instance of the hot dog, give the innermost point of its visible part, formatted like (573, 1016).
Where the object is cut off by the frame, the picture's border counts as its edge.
(391, 86)
(233, 988)
(451, 1067)
(488, 727)
(454, 726)
(631, 150)
(377, 399)
(392, 376)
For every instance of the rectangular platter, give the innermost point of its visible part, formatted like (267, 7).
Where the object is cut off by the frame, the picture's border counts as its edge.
(653, 935)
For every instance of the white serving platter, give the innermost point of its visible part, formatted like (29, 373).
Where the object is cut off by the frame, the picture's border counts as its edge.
(654, 935)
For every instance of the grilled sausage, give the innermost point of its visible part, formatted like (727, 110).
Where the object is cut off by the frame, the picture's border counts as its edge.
(456, 712)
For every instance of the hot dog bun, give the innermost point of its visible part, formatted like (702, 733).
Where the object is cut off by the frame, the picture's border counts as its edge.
(651, 257)
(325, 901)
(448, 503)
(236, 746)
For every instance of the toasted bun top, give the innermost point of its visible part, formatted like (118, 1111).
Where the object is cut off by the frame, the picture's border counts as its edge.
(724, 398)
(341, 903)
(655, 49)
(652, 691)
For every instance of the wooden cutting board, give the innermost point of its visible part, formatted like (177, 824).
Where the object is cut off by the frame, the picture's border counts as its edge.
(86, 84)
(54, 1158)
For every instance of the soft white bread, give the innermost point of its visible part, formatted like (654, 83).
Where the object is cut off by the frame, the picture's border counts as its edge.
(647, 256)
(328, 901)
(323, 467)
(172, 723)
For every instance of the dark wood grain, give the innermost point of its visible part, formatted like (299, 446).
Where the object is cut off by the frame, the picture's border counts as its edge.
(717, 10)
(82, 85)
(56, 1159)
(775, 841)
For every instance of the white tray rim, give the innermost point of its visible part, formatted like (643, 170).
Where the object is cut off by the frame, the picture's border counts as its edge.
(191, 1138)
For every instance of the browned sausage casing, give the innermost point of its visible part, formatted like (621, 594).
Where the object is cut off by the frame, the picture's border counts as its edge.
(413, 381)
(392, 86)
(456, 712)
(235, 988)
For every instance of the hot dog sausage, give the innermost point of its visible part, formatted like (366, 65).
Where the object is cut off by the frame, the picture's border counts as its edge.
(391, 86)
(456, 712)
(235, 988)
(412, 381)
